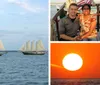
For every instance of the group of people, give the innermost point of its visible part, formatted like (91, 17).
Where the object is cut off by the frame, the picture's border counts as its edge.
(78, 27)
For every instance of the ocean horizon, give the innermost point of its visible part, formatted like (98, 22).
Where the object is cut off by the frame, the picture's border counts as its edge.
(75, 81)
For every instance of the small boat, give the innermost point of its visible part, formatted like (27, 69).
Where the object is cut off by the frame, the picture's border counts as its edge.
(2, 49)
(29, 48)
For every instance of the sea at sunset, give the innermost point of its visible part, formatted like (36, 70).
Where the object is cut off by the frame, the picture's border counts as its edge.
(89, 72)
(61, 81)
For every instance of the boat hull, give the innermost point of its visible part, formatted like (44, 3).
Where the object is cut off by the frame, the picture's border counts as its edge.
(40, 53)
(29, 53)
(33, 53)
(1, 53)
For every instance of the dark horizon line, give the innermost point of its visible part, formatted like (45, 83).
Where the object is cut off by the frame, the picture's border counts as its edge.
(75, 78)
(13, 51)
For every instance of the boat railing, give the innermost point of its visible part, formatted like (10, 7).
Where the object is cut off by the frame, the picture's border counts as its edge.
(54, 25)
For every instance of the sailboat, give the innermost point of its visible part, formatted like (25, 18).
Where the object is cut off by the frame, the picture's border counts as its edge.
(29, 48)
(2, 49)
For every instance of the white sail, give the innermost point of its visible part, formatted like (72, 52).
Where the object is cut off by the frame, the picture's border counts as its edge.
(39, 46)
(22, 48)
(28, 46)
(1, 46)
(32, 46)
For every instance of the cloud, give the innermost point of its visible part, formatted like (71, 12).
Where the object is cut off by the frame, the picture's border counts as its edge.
(26, 6)
(54, 65)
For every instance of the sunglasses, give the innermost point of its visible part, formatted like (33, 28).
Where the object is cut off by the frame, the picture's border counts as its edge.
(85, 8)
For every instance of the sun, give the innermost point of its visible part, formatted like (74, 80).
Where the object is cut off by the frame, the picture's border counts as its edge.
(72, 62)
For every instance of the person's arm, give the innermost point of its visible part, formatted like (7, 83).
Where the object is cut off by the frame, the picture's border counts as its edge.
(63, 36)
(93, 26)
(62, 31)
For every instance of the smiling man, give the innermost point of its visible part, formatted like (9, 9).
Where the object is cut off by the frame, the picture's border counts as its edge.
(69, 25)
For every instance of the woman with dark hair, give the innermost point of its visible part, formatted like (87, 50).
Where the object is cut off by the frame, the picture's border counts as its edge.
(88, 24)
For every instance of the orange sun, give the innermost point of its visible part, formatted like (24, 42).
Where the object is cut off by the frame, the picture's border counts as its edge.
(72, 62)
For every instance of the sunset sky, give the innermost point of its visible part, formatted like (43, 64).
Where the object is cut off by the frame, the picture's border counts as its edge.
(89, 52)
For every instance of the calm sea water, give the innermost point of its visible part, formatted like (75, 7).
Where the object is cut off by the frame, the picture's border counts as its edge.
(55, 81)
(19, 69)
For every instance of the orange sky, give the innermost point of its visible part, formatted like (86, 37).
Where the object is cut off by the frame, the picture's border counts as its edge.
(90, 53)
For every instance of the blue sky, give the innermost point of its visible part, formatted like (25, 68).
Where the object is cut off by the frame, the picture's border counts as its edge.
(22, 20)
